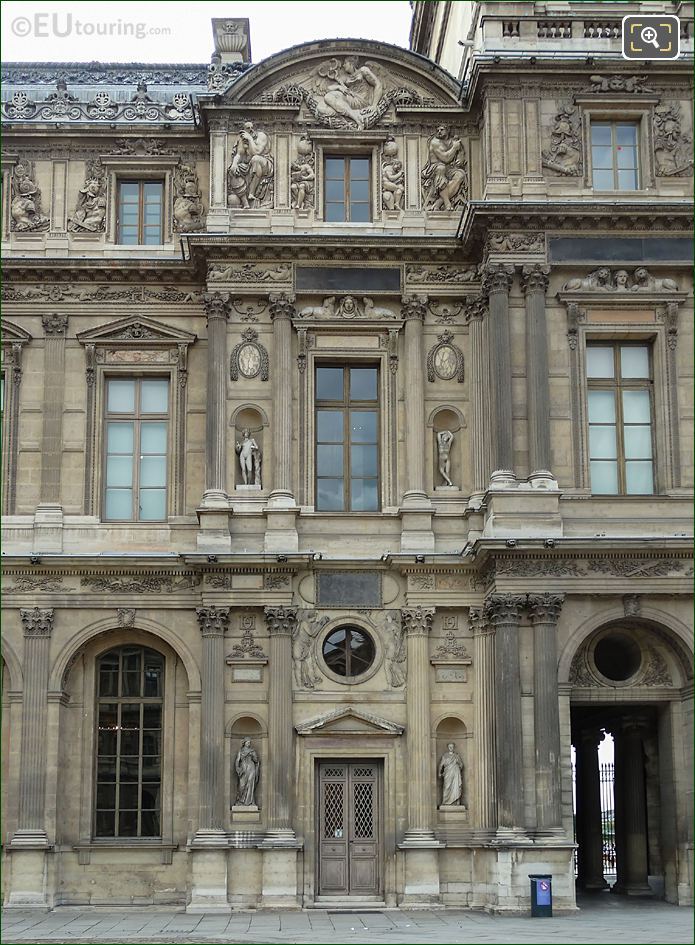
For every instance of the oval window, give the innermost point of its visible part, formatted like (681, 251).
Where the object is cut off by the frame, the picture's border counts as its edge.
(348, 651)
(617, 657)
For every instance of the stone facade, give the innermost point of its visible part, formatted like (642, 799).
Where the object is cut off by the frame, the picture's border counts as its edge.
(479, 592)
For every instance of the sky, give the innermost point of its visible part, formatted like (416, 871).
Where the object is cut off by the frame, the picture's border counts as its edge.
(181, 32)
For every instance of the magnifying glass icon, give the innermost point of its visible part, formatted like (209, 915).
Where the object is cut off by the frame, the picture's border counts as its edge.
(648, 35)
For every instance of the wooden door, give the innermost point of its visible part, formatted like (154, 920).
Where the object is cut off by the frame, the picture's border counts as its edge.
(349, 829)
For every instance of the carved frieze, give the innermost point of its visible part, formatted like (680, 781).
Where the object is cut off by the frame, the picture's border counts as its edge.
(33, 583)
(441, 275)
(140, 584)
(94, 73)
(445, 360)
(61, 105)
(604, 279)
(517, 243)
(446, 312)
(249, 358)
(346, 308)
(250, 272)
(96, 293)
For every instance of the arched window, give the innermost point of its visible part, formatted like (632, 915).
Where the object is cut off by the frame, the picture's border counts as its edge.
(130, 686)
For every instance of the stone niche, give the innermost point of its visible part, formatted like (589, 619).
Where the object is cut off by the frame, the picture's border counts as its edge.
(447, 420)
(452, 729)
(246, 727)
(252, 419)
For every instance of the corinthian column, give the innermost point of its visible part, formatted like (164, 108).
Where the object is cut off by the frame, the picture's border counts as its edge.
(497, 282)
(589, 830)
(417, 623)
(534, 281)
(479, 374)
(281, 623)
(49, 513)
(416, 514)
(503, 611)
(484, 641)
(31, 831)
(217, 312)
(631, 800)
(544, 611)
(213, 622)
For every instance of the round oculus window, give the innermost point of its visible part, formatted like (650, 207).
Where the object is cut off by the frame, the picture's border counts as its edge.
(348, 651)
(617, 657)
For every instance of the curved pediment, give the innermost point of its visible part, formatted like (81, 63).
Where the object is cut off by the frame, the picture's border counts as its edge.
(346, 83)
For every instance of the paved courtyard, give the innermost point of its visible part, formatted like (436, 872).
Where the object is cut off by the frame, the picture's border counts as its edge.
(601, 920)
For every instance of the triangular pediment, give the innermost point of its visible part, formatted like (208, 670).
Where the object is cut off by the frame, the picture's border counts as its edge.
(347, 720)
(136, 329)
(12, 333)
(390, 77)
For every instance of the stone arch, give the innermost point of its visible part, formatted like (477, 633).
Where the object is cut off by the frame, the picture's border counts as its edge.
(238, 726)
(454, 410)
(242, 407)
(670, 626)
(14, 666)
(72, 648)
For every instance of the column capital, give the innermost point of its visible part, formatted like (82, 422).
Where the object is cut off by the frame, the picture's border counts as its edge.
(281, 306)
(497, 277)
(37, 622)
(216, 305)
(417, 621)
(213, 620)
(534, 278)
(478, 621)
(414, 307)
(545, 608)
(475, 309)
(504, 608)
(54, 325)
(281, 621)
(634, 725)
(590, 737)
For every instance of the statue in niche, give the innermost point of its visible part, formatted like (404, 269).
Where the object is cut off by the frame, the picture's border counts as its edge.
(250, 459)
(392, 177)
(250, 175)
(450, 771)
(444, 440)
(302, 176)
(307, 628)
(90, 213)
(247, 767)
(444, 175)
(188, 204)
(394, 664)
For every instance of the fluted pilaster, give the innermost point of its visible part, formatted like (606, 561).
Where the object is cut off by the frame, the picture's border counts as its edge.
(497, 282)
(55, 327)
(417, 623)
(481, 421)
(503, 611)
(281, 623)
(534, 282)
(38, 627)
(282, 311)
(213, 621)
(217, 312)
(484, 642)
(413, 312)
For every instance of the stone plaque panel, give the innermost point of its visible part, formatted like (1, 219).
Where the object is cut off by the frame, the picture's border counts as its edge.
(348, 589)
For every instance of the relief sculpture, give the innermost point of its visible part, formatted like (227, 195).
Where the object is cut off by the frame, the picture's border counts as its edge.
(250, 175)
(444, 185)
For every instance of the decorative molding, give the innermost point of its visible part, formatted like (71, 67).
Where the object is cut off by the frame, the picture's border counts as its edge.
(604, 279)
(52, 292)
(136, 330)
(216, 305)
(188, 211)
(445, 360)
(452, 650)
(250, 273)
(62, 106)
(126, 617)
(618, 83)
(656, 672)
(119, 73)
(282, 306)
(248, 310)
(414, 307)
(141, 584)
(346, 308)
(37, 622)
(575, 315)
(441, 275)
(249, 358)
(632, 605)
(446, 312)
(35, 583)
(247, 648)
(371, 724)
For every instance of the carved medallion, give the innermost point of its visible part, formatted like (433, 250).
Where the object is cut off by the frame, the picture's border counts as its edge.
(445, 360)
(249, 358)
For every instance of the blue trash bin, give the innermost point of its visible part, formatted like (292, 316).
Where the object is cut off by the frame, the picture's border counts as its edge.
(541, 896)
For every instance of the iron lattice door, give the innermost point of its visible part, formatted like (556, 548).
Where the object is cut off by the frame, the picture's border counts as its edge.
(349, 853)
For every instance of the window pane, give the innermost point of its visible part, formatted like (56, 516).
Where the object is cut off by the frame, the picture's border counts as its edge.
(600, 133)
(335, 191)
(604, 477)
(149, 824)
(152, 239)
(626, 134)
(359, 191)
(119, 438)
(105, 823)
(335, 213)
(639, 478)
(106, 796)
(634, 361)
(151, 742)
(154, 395)
(599, 361)
(363, 426)
(626, 157)
(130, 740)
(128, 237)
(119, 504)
(119, 471)
(106, 769)
(335, 168)
(627, 180)
(152, 190)
(153, 505)
(363, 383)
(636, 406)
(152, 716)
(364, 495)
(359, 169)
(154, 670)
(602, 158)
(363, 461)
(121, 396)
(106, 742)
(151, 767)
(153, 471)
(359, 213)
(329, 426)
(153, 438)
(329, 383)
(603, 180)
(150, 796)
(329, 495)
(128, 823)
(329, 461)
(129, 190)
(601, 406)
(638, 442)
(602, 442)
(128, 770)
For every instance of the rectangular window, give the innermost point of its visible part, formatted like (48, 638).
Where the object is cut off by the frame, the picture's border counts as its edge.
(614, 160)
(347, 439)
(140, 212)
(346, 197)
(137, 428)
(621, 456)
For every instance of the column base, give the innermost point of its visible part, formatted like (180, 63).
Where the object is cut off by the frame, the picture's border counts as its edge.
(29, 840)
(279, 877)
(518, 512)
(280, 838)
(208, 875)
(416, 518)
(592, 885)
(214, 534)
(510, 836)
(542, 479)
(502, 479)
(48, 528)
(209, 837)
(421, 885)
(643, 890)
(28, 885)
(281, 523)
